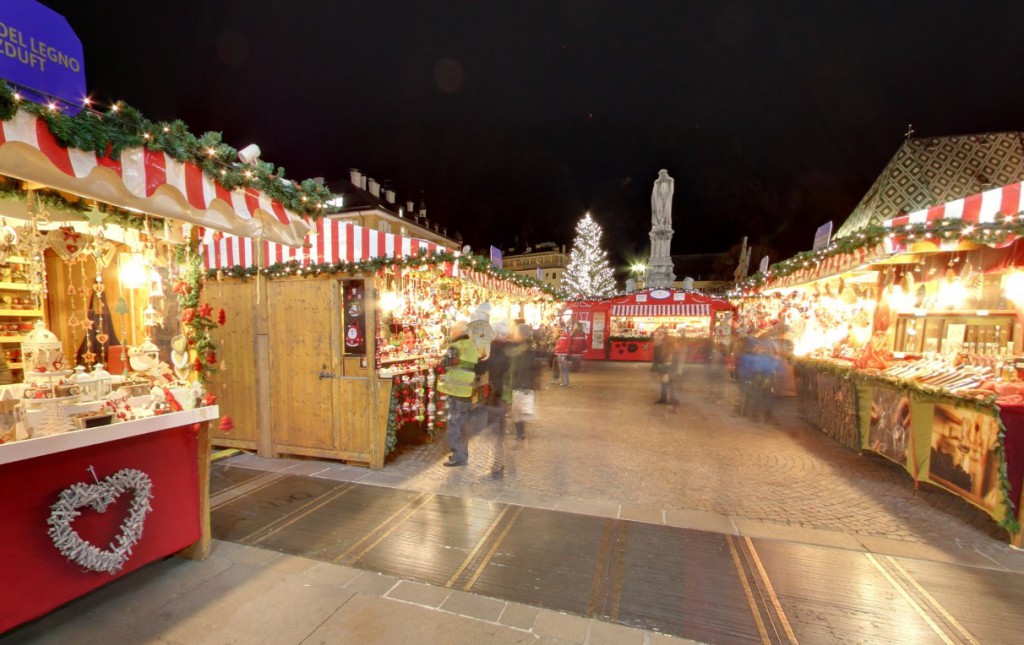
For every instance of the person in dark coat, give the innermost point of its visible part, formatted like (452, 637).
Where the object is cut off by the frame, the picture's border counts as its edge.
(522, 379)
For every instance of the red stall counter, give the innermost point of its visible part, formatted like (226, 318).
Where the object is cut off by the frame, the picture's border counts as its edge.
(88, 471)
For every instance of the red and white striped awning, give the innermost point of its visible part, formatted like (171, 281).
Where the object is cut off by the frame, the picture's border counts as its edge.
(330, 241)
(980, 208)
(334, 241)
(661, 310)
(143, 180)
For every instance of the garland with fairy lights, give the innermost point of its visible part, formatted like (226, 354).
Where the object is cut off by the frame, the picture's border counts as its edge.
(432, 260)
(197, 318)
(123, 127)
(989, 233)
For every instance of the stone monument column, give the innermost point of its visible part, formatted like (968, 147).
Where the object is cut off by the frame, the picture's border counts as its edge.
(660, 271)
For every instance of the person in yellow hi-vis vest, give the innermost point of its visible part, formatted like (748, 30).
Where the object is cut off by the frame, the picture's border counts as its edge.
(458, 382)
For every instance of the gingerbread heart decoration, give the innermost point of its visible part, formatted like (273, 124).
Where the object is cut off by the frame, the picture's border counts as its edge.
(102, 338)
(67, 243)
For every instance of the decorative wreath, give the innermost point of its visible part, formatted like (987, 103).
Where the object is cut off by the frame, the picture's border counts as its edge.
(99, 496)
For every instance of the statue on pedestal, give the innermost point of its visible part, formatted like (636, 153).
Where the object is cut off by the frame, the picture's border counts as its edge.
(660, 271)
(661, 200)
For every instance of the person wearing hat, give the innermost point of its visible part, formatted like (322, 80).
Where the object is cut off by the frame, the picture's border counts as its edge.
(480, 330)
(458, 382)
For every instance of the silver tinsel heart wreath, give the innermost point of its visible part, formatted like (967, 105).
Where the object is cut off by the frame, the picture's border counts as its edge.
(99, 496)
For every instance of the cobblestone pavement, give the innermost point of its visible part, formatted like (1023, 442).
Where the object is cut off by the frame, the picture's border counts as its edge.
(604, 439)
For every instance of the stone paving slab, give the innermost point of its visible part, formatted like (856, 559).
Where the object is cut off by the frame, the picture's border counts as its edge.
(240, 596)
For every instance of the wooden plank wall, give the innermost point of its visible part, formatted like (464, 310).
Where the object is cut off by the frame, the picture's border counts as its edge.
(235, 387)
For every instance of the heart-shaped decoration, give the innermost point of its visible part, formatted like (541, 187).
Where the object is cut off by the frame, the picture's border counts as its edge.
(99, 287)
(99, 496)
(103, 252)
(102, 338)
(66, 243)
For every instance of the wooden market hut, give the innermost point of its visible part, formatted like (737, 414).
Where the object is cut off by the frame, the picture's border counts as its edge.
(298, 383)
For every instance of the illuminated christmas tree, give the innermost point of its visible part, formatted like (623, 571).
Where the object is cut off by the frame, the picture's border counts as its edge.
(589, 272)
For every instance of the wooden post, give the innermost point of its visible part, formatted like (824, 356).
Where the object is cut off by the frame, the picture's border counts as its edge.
(373, 384)
(200, 549)
(261, 346)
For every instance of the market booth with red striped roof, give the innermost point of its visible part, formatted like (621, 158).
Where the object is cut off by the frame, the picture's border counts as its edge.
(918, 320)
(345, 336)
(621, 328)
(99, 266)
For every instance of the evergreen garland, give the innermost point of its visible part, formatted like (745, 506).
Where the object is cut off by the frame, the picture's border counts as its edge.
(196, 319)
(391, 436)
(122, 127)
(939, 231)
(432, 260)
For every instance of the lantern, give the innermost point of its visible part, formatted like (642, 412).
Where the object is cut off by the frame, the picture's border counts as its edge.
(41, 351)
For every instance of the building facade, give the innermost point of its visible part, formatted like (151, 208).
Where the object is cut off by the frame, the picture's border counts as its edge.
(364, 201)
(545, 262)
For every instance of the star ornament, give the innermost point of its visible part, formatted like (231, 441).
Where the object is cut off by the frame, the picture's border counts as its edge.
(95, 217)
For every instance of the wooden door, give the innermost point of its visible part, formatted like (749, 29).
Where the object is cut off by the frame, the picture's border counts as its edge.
(304, 334)
(235, 387)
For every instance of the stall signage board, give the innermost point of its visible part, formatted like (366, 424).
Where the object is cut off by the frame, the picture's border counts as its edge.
(354, 316)
(496, 256)
(764, 265)
(40, 51)
(597, 341)
(822, 236)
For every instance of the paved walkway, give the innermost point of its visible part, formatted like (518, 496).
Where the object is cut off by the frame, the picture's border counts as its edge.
(600, 447)
(603, 447)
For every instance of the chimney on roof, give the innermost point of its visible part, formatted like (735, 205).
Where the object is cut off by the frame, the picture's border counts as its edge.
(355, 177)
(389, 195)
(410, 207)
(374, 187)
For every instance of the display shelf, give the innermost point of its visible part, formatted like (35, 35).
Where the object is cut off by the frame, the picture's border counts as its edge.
(18, 286)
(16, 366)
(404, 359)
(28, 313)
(12, 339)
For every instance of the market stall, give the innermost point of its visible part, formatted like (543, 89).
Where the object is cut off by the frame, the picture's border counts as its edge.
(622, 328)
(104, 431)
(372, 312)
(908, 344)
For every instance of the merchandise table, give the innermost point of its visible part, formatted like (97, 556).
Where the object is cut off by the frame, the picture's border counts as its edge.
(965, 445)
(167, 455)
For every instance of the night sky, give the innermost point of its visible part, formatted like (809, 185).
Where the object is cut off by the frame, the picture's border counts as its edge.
(513, 118)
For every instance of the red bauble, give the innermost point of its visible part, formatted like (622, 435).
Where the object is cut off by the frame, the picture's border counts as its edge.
(226, 424)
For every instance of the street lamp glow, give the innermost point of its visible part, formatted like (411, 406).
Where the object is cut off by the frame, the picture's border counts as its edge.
(639, 267)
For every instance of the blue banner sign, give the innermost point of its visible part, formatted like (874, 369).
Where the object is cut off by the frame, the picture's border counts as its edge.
(496, 256)
(40, 51)
(822, 236)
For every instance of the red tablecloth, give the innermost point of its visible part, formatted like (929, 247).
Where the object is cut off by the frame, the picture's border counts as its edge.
(35, 577)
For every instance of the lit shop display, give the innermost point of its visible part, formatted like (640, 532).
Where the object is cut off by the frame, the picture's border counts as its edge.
(622, 328)
(111, 341)
(908, 343)
(372, 312)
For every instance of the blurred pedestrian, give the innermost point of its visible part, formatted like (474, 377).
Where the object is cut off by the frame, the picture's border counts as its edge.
(667, 360)
(496, 399)
(522, 379)
(561, 352)
(458, 382)
(577, 346)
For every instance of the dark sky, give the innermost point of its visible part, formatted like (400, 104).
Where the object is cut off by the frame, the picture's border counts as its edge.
(513, 118)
